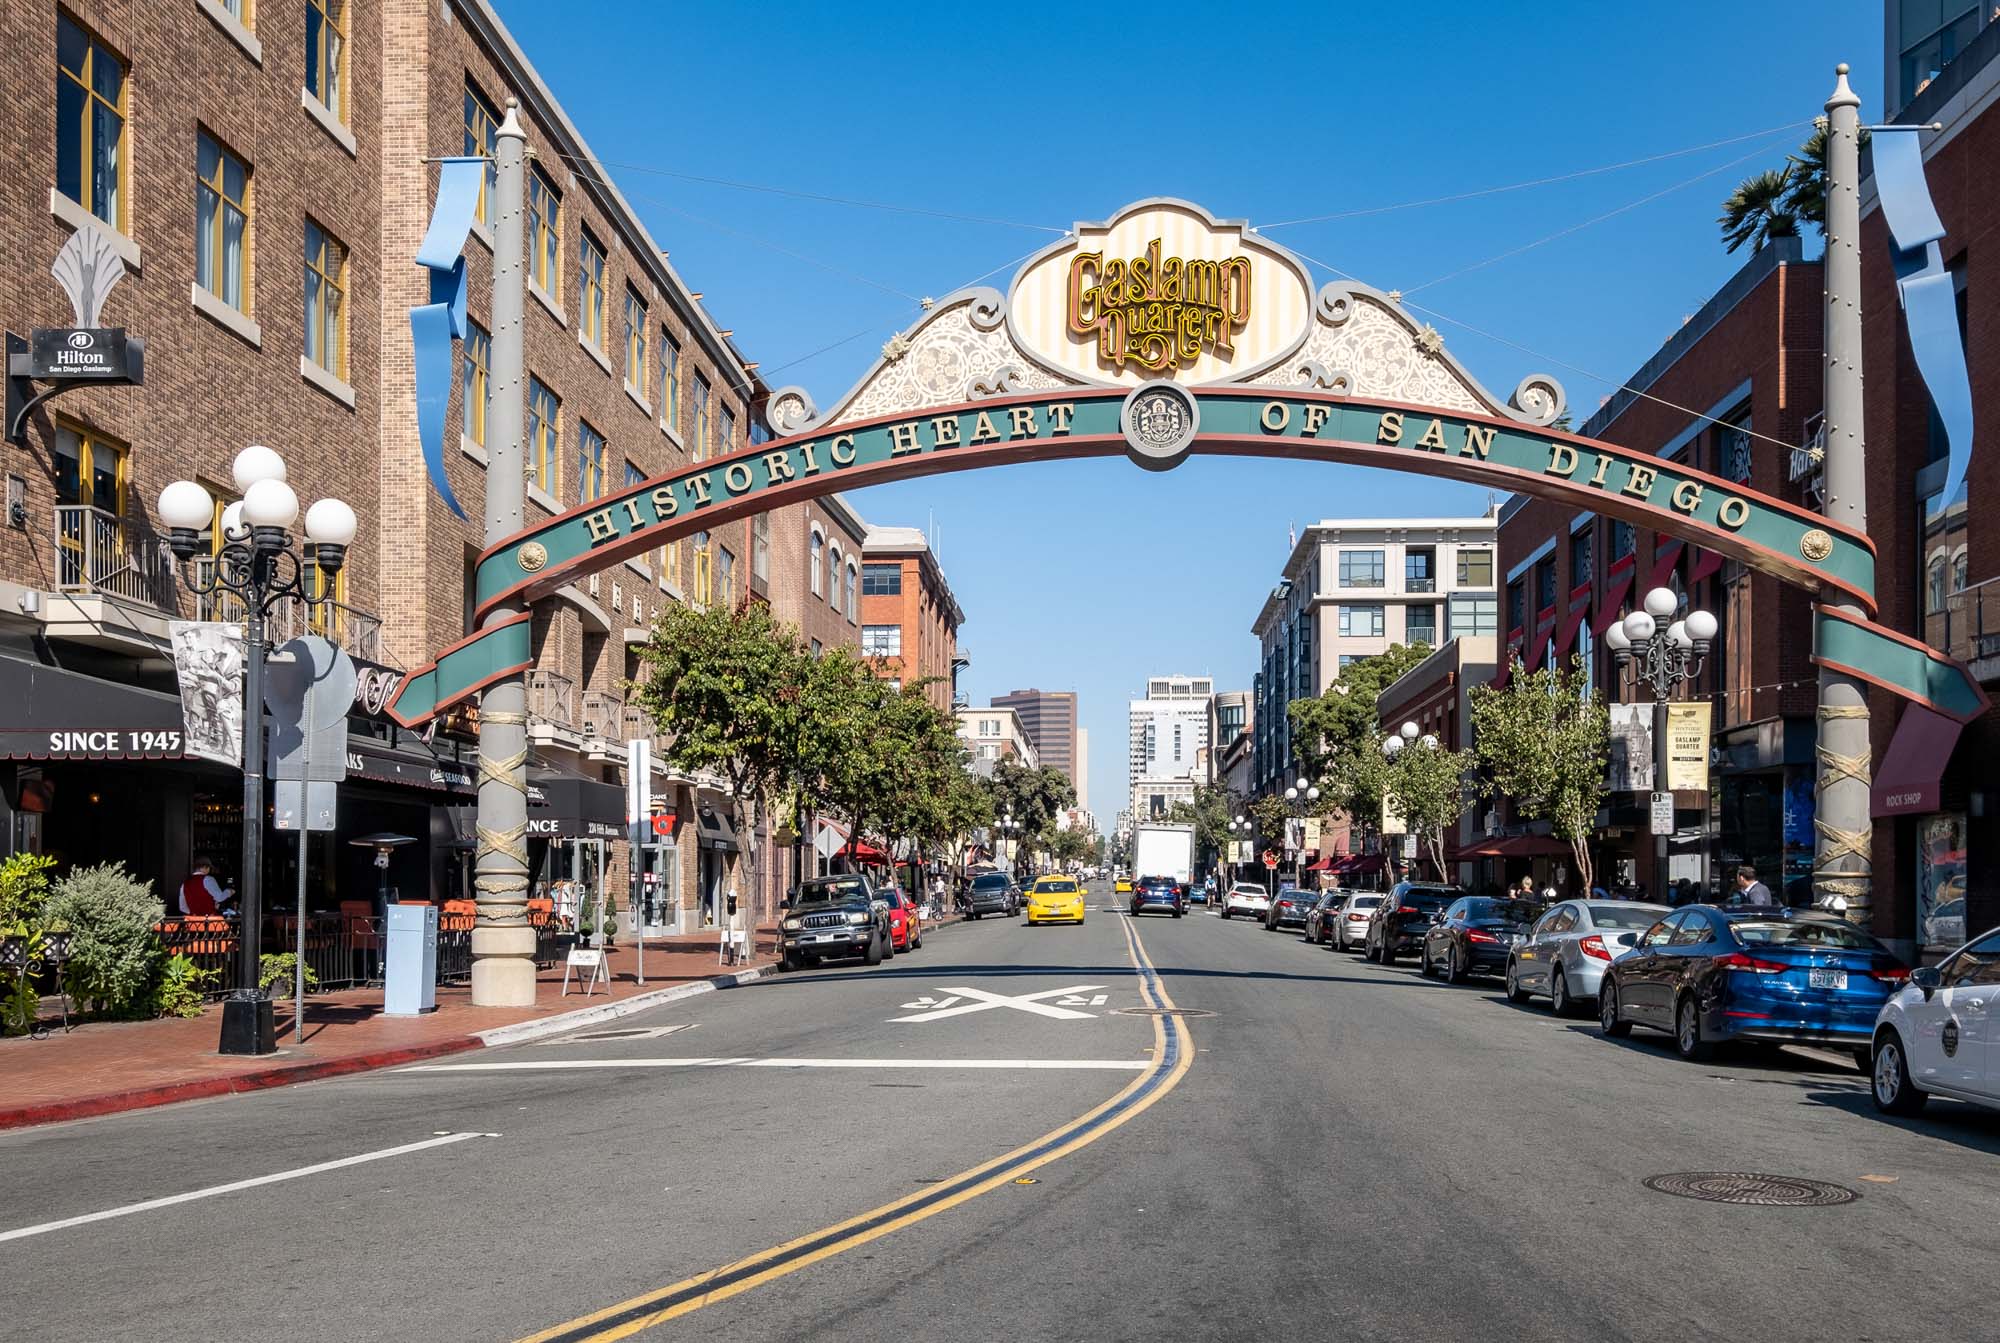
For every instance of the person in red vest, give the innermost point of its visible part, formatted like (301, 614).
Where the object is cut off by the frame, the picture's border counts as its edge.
(199, 893)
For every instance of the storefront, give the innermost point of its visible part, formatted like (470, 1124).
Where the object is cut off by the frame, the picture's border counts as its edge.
(716, 835)
(573, 824)
(1918, 789)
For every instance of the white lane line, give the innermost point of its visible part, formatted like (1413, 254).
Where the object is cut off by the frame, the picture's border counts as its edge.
(558, 1065)
(234, 1186)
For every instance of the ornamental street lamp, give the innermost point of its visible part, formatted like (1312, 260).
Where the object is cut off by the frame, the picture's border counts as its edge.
(257, 564)
(1663, 660)
(1403, 738)
(1302, 796)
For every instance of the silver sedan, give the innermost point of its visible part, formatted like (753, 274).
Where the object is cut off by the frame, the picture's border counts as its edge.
(1564, 955)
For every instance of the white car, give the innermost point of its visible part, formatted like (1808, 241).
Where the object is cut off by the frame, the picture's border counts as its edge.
(1936, 1035)
(1246, 897)
(1350, 922)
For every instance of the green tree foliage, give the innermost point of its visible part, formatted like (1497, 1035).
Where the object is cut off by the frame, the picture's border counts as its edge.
(114, 955)
(1338, 739)
(1213, 808)
(1759, 210)
(1430, 789)
(1032, 797)
(1269, 814)
(1544, 742)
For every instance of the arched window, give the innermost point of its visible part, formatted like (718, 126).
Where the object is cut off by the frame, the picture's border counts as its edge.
(1934, 590)
(833, 574)
(853, 585)
(1961, 570)
(818, 561)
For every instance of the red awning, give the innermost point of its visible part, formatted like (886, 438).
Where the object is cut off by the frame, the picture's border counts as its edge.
(1566, 632)
(1532, 660)
(1706, 562)
(1359, 865)
(1323, 865)
(1518, 846)
(863, 852)
(1906, 784)
(1665, 553)
(1614, 598)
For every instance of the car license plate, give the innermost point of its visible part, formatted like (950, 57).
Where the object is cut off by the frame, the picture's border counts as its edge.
(1826, 979)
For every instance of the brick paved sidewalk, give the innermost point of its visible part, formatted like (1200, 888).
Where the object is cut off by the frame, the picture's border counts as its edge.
(105, 1067)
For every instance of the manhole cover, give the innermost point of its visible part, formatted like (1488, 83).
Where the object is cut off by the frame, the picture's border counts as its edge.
(1161, 1012)
(1763, 1191)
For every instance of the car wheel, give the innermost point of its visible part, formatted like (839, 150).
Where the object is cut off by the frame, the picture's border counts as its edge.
(1894, 1090)
(788, 963)
(1177, 913)
(1424, 964)
(1607, 1012)
(1560, 1002)
(873, 956)
(1515, 993)
(1452, 974)
(918, 943)
(1388, 956)
(889, 945)
(1687, 1032)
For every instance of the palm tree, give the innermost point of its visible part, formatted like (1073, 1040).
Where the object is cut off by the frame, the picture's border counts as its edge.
(1805, 189)
(1760, 209)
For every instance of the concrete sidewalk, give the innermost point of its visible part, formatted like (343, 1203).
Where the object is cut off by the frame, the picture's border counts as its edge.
(107, 1067)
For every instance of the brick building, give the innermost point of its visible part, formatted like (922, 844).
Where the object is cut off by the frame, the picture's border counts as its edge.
(1740, 373)
(909, 618)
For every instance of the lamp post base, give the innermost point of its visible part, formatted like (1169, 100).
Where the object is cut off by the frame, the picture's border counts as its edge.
(247, 1026)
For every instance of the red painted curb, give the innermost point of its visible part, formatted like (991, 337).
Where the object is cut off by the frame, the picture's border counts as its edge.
(263, 1079)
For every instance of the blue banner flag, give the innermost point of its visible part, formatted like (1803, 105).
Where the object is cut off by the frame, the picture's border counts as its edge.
(1928, 294)
(437, 326)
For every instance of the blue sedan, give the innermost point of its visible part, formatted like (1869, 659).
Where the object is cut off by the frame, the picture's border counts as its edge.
(1706, 974)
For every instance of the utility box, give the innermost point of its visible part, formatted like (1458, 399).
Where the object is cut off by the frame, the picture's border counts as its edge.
(409, 979)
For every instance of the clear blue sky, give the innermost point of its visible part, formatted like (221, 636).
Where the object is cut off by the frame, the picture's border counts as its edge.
(1092, 576)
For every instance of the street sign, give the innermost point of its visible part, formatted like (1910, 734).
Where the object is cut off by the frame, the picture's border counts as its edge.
(79, 353)
(1663, 813)
(309, 689)
(663, 824)
(299, 805)
(1270, 859)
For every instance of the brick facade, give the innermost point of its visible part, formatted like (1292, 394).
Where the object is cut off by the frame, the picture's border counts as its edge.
(923, 612)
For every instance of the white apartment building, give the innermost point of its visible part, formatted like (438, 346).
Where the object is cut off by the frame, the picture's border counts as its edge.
(1168, 742)
(992, 735)
(1353, 587)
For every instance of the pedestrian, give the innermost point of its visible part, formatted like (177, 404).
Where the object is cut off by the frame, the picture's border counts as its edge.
(1750, 891)
(1526, 890)
(201, 897)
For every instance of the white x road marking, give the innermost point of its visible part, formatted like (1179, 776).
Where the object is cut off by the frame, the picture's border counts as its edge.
(986, 1002)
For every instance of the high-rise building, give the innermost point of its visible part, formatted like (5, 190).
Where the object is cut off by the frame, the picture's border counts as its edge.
(1048, 717)
(1082, 775)
(1168, 742)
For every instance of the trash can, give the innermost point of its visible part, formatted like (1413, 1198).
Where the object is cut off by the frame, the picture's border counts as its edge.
(409, 981)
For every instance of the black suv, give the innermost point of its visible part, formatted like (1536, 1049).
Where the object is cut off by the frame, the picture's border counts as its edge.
(834, 916)
(990, 893)
(1400, 922)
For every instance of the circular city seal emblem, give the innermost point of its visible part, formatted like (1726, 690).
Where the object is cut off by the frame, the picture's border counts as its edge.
(1815, 545)
(1159, 420)
(531, 556)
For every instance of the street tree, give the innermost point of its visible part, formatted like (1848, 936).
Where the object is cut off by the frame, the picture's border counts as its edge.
(1544, 742)
(1337, 738)
(725, 690)
(1761, 208)
(1430, 789)
(1210, 813)
(1269, 815)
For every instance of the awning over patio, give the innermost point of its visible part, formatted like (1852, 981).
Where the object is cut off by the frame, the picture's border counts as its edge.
(1907, 783)
(1518, 846)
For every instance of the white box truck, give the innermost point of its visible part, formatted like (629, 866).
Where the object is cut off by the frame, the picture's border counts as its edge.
(1163, 849)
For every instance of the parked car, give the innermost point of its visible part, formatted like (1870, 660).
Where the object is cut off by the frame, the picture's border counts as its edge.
(1199, 892)
(990, 893)
(1946, 925)
(1288, 908)
(1936, 1035)
(906, 921)
(1569, 947)
(1476, 935)
(1248, 898)
(1055, 900)
(1705, 974)
(1317, 928)
(1350, 921)
(1398, 924)
(1163, 894)
(835, 916)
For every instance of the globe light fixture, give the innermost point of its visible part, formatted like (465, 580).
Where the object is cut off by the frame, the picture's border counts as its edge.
(1391, 745)
(1616, 639)
(1662, 602)
(1429, 742)
(187, 506)
(1409, 731)
(1663, 658)
(256, 463)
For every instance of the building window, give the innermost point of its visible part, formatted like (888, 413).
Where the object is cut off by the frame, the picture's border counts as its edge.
(881, 580)
(90, 123)
(478, 381)
(1420, 625)
(482, 139)
(1933, 32)
(725, 575)
(221, 222)
(1348, 658)
(670, 383)
(670, 565)
(704, 573)
(702, 392)
(1475, 568)
(1624, 540)
(326, 301)
(881, 641)
(1362, 569)
(326, 57)
(1580, 551)
(590, 462)
(635, 342)
(544, 236)
(1735, 449)
(544, 429)
(853, 582)
(1545, 584)
(1420, 570)
(1517, 606)
(90, 469)
(590, 293)
(726, 423)
(329, 622)
(833, 577)
(760, 547)
(816, 560)
(1363, 622)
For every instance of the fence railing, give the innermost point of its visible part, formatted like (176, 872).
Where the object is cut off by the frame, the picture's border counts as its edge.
(343, 951)
(603, 715)
(551, 698)
(101, 553)
(358, 632)
(1962, 625)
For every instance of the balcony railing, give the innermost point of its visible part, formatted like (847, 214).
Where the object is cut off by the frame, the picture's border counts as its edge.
(103, 554)
(551, 699)
(1962, 626)
(1419, 583)
(603, 715)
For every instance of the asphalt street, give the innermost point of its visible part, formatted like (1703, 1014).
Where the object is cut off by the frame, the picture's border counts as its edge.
(1339, 1150)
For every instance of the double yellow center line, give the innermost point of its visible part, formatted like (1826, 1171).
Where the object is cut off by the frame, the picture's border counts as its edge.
(1173, 1052)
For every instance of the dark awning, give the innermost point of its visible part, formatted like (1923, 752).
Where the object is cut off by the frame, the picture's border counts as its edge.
(47, 713)
(713, 829)
(1906, 784)
(413, 766)
(569, 806)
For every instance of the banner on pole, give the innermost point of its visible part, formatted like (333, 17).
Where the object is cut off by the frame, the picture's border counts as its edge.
(1687, 747)
(209, 659)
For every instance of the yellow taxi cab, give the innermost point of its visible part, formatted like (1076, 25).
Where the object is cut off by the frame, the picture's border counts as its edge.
(1122, 886)
(1055, 900)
